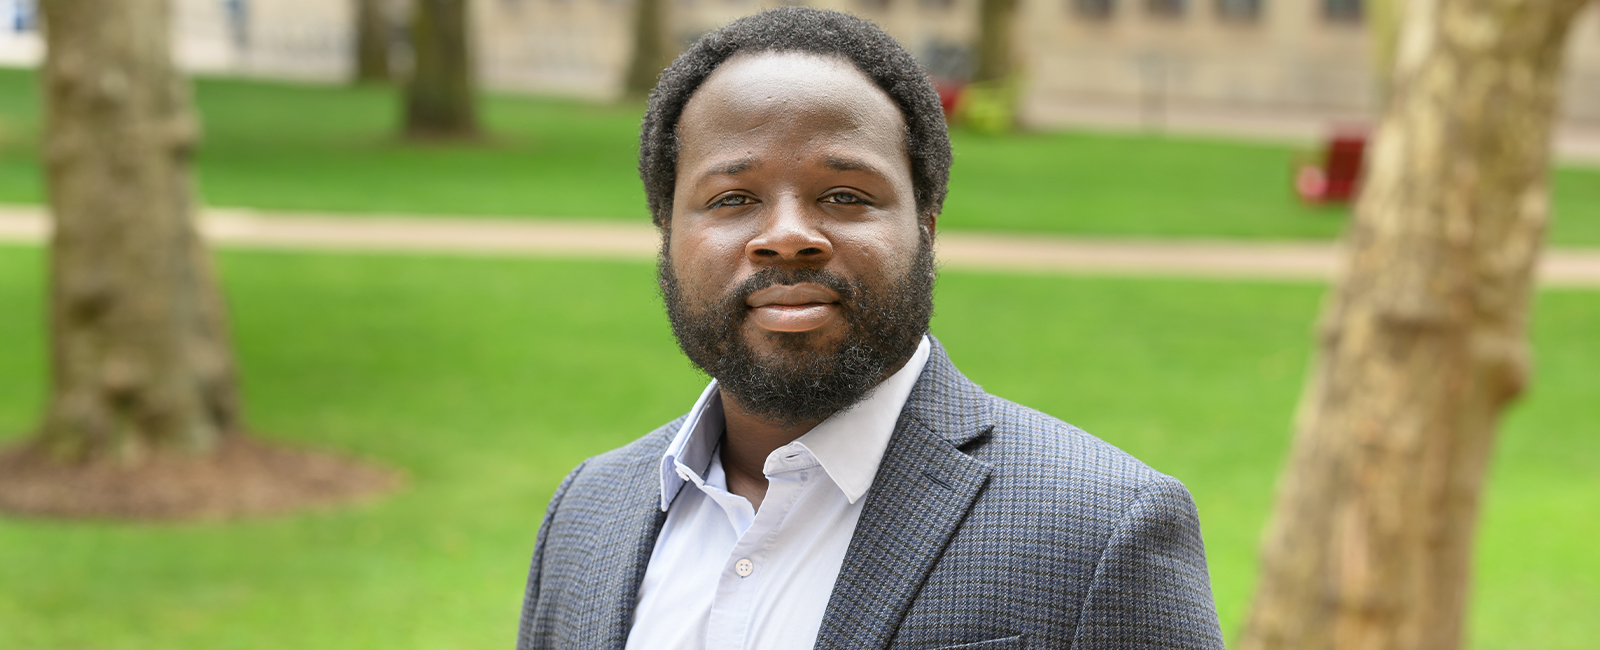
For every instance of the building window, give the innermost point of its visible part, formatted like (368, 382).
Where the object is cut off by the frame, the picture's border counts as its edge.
(24, 16)
(1166, 8)
(1094, 9)
(1239, 10)
(1342, 11)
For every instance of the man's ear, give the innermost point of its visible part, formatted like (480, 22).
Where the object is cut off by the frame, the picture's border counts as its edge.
(931, 222)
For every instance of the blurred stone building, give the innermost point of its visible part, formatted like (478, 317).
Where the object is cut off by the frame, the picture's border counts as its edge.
(1276, 67)
(1188, 64)
(581, 47)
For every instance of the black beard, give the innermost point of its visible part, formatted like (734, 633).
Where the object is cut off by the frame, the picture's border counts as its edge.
(804, 384)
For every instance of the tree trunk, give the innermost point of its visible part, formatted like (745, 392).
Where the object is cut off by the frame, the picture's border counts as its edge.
(1424, 340)
(651, 53)
(996, 53)
(140, 356)
(440, 100)
(372, 41)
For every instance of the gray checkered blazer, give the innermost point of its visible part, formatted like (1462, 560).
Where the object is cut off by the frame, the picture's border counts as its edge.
(989, 526)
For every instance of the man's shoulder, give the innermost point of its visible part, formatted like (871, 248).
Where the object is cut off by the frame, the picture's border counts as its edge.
(1032, 455)
(1030, 449)
(646, 451)
(1102, 549)
(589, 502)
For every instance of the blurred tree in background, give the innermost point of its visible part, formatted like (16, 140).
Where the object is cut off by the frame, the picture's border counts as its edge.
(441, 100)
(143, 416)
(373, 33)
(1424, 341)
(652, 50)
(996, 40)
(989, 102)
(141, 356)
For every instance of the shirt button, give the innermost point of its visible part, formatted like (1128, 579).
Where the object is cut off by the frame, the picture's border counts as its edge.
(744, 568)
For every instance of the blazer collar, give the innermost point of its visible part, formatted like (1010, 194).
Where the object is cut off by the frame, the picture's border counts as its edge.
(922, 493)
(946, 402)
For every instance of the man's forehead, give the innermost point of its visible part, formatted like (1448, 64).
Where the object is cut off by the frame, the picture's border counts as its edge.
(784, 67)
(773, 80)
(752, 91)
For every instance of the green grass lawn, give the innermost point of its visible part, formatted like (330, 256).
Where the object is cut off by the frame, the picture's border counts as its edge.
(292, 147)
(487, 379)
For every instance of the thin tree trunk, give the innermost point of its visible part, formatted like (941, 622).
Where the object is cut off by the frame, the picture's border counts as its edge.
(651, 54)
(372, 41)
(996, 32)
(1424, 340)
(140, 356)
(440, 101)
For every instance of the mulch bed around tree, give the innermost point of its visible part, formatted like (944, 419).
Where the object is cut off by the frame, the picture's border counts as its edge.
(242, 477)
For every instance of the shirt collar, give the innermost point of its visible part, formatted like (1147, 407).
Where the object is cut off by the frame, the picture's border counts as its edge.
(691, 449)
(849, 445)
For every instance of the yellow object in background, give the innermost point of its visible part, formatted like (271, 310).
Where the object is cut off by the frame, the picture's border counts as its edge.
(989, 106)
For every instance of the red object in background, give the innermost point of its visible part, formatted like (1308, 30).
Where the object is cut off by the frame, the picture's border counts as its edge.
(949, 94)
(1338, 177)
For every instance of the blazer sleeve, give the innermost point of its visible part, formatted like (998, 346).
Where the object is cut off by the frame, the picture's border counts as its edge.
(1151, 588)
(526, 635)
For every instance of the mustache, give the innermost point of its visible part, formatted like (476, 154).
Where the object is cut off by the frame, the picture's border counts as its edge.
(738, 297)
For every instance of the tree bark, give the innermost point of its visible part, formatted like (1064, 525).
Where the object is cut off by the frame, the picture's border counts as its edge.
(1423, 342)
(373, 32)
(440, 100)
(651, 53)
(141, 360)
(996, 46)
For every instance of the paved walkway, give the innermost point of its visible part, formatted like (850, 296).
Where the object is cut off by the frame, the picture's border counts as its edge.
(235, 228)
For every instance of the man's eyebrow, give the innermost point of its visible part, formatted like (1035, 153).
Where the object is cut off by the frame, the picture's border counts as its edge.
(849, 165)
(732, 168)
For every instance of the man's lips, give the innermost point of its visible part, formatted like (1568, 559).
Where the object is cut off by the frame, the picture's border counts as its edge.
(793, 307)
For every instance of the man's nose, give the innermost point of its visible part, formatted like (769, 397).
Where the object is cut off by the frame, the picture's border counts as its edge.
(789, 235)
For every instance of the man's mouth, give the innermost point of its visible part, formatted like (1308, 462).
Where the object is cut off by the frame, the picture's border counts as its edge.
(793, 307)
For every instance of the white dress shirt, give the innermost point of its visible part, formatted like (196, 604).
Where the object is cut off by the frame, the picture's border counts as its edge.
(725, 576)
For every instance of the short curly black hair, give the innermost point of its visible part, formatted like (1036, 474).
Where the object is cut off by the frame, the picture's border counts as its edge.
(798, 29)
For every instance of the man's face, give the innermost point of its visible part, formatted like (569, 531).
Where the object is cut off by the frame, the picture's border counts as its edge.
(795, 266)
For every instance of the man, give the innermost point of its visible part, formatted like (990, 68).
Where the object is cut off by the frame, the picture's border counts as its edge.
(840, 484)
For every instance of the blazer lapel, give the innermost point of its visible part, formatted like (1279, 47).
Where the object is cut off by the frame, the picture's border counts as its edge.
(622, 552)
(918, 499)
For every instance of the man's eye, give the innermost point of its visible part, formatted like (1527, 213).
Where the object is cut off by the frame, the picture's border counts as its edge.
(733, 200)
(846, 198)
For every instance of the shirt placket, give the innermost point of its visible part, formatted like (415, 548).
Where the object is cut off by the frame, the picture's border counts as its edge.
(745, 572)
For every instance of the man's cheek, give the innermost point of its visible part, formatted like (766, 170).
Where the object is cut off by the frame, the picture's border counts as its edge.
(697, 293)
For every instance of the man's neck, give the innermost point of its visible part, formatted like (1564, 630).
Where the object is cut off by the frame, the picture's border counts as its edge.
(747, 443)
(750, 438)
